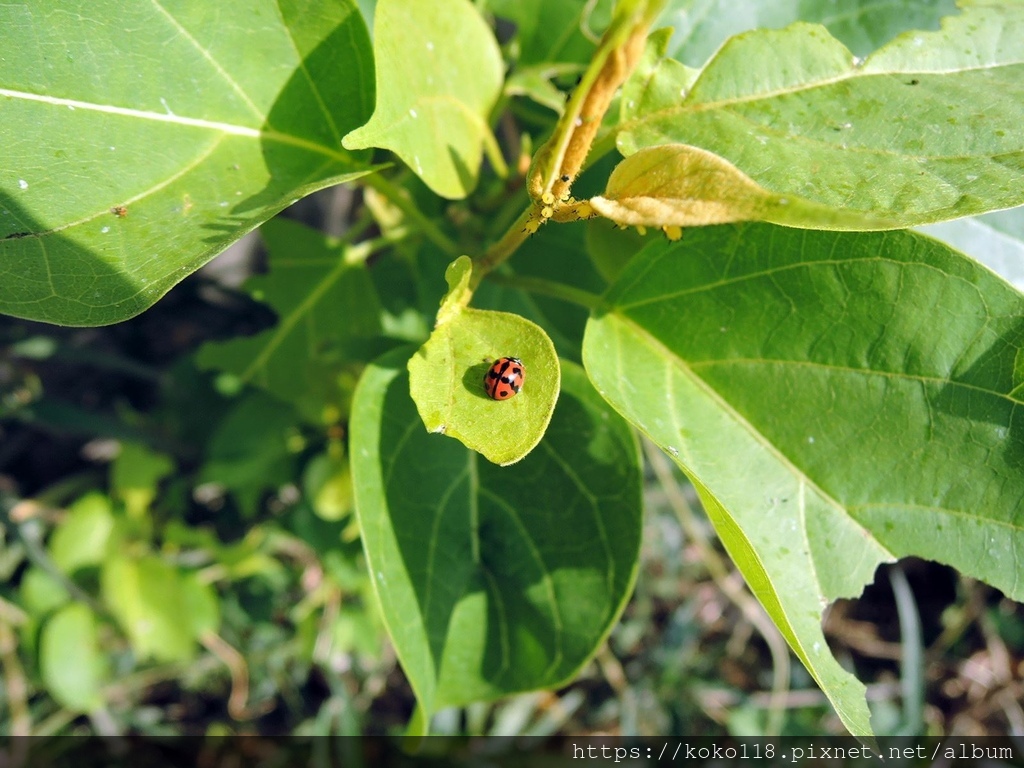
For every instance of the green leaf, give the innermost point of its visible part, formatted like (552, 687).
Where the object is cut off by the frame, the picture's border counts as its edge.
(326, 305)
(838, 400)
(439, 73)
(251, 449)
(327, 483)
(494, 580)
(550, 31)
(996, 240)
(152, 602)
(83, 536)
(701, 26)
(70, 660)
(40, 592)
(680, 185)
(201, 605)
(536, 83)
(925, 129)
(198, 123)
(135, 474)
(610, 248)
(447, 376)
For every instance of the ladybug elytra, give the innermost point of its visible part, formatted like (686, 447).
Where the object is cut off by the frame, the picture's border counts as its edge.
(505, 378)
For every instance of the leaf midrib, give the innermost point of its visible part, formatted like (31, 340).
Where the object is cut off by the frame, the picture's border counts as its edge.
(232, 83)
(188, 122)
(769, 272)
(288, 322)
(592, 501)
(546, 578)
(814, 365)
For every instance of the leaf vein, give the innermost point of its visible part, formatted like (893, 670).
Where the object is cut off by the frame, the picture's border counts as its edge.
(213, 62)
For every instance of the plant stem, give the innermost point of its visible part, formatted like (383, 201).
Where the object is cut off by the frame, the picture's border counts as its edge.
(30, 533)
(550, 288)
(559, 160)
(416, 216)
(514, 237)
(912, 663)
(353, 255)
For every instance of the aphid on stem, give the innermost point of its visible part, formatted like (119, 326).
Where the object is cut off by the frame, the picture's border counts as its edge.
(531, 227)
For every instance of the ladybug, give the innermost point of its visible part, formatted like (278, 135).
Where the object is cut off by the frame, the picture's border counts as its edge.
(505, 378)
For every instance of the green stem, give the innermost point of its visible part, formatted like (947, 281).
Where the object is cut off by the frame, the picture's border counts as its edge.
(514, 237)
(360, 252)
(544, 287)
(912, 662)
(31, 535)
(416, 216)
(357, 228)
(610, 65)
(559, 160)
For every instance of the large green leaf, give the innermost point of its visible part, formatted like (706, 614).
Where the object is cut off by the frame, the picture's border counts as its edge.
(326, 305)
(439, 73)
(141, 140)
(930, 127)
(838, 400)
(494, 580)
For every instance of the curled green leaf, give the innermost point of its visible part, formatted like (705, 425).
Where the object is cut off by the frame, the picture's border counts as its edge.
(680, 185)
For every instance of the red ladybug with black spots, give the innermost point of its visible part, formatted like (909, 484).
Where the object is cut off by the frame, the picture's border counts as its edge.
(505, 378)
